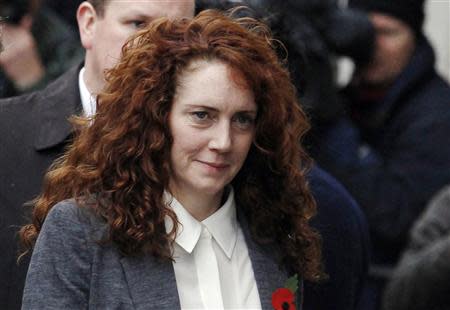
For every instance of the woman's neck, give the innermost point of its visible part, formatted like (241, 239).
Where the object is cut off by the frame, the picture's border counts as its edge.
(200, 206)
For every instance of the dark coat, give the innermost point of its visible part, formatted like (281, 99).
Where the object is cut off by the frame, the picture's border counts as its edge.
(345, 237)
(393, 154)
(34, 129)
(421, 280)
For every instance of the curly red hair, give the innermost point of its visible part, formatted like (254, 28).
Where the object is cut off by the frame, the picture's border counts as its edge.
(120, 160)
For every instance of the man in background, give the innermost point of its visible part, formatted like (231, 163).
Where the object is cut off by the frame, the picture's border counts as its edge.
(391, 151)
(35, 128)
(39, 47)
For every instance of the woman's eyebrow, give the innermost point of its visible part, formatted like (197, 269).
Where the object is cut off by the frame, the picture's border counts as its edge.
(196, 106)
(209, 108)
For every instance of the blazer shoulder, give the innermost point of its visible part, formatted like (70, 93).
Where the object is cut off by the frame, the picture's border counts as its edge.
(62, 260)
(70, 215)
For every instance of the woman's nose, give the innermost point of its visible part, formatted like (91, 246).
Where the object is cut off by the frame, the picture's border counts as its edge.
(221, 138)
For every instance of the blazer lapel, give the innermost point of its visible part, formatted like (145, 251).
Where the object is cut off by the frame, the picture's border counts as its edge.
(151, 283)
(268, 275)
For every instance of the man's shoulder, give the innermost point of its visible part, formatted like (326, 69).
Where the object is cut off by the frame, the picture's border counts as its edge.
(19, 104)
(427, 108)
(345, 251)
(40, 113)
(421, 84)
(66, 86)
(433, 87)
(337, 211)
(331, 195)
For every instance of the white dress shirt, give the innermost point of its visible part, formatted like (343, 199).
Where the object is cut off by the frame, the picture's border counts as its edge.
(88, 100)
(212, 266)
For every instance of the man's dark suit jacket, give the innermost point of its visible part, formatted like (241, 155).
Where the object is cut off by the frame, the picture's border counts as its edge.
(34, 130)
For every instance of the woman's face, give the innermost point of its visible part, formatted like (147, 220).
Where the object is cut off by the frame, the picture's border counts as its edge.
(212, 121)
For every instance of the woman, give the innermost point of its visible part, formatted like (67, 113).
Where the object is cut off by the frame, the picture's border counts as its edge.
(188, 188)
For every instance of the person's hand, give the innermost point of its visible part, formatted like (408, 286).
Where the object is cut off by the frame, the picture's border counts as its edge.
(20, 60)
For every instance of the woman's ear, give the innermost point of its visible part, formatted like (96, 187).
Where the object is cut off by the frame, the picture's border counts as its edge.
(87, 18)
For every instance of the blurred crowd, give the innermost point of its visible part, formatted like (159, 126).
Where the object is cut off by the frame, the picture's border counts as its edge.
(384, 136)
(39, 45)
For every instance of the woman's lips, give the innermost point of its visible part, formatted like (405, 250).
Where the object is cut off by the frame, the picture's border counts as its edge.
(214, 164)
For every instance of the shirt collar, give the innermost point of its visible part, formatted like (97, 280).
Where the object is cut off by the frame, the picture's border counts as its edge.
(189, 229)
(222, 225)
(88, 100)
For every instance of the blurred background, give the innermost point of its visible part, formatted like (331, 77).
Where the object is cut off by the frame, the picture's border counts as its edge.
(437, 29)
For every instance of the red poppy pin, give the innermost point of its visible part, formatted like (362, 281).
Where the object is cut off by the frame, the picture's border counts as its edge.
(284, 298)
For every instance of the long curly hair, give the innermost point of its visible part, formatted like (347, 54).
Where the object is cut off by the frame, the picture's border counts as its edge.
(118, 163)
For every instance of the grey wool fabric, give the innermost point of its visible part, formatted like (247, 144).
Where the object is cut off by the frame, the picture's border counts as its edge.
(69, 269)
(421, 280)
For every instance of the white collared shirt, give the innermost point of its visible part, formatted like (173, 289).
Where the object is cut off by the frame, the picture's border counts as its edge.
(88, 100)
(198, 277)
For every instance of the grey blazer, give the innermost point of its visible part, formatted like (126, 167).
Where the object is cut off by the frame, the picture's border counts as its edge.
(70, 270)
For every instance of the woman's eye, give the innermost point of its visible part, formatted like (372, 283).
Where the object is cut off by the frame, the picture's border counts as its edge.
(200, 115)
(138, 24)
(244, 121)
